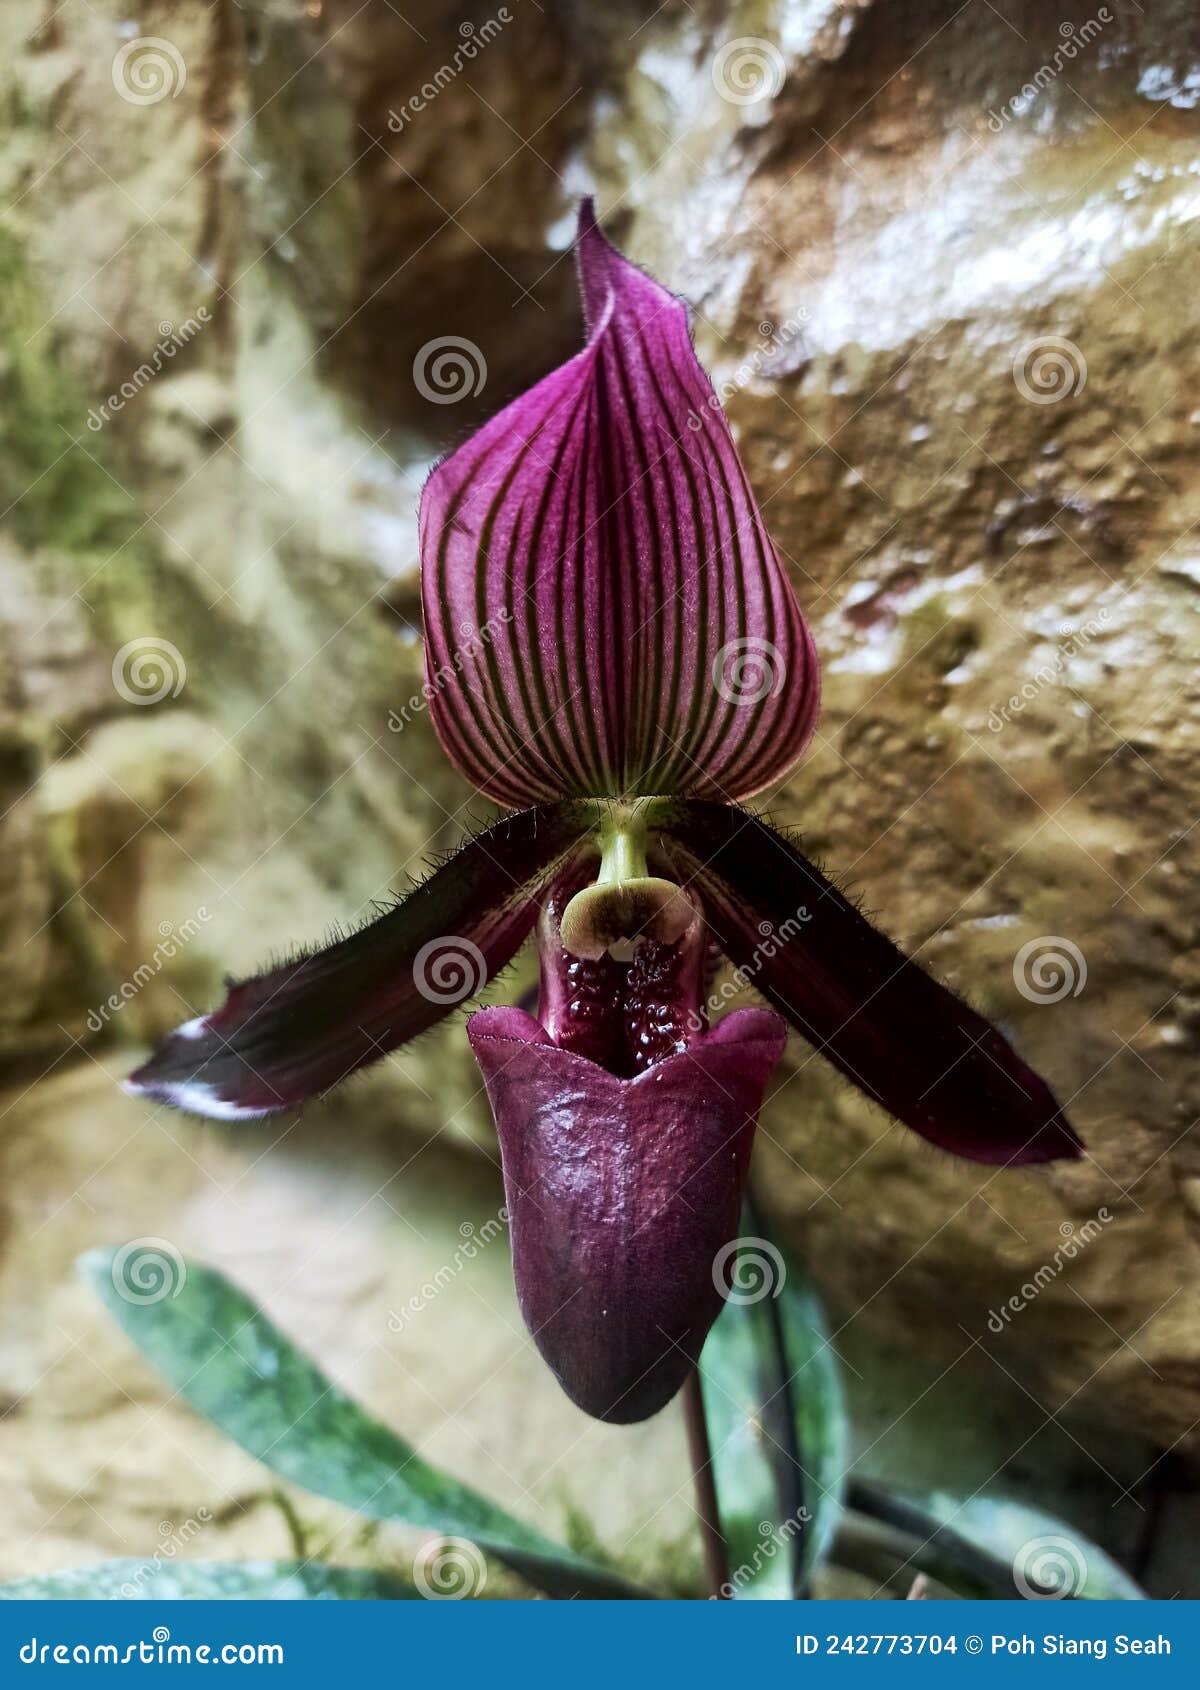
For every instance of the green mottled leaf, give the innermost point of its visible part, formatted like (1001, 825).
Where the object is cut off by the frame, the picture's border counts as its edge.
(132, 1580)
(991, 1545)
(776, 1423)
(223, 1354)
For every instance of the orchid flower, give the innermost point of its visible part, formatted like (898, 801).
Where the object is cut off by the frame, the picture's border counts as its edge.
(615, 655)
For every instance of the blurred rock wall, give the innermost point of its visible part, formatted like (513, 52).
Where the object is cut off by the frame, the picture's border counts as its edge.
(943, 261)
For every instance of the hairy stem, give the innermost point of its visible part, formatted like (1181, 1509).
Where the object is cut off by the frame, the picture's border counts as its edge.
(712, 1538)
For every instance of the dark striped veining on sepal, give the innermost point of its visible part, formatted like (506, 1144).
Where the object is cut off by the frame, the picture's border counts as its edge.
(596, 577)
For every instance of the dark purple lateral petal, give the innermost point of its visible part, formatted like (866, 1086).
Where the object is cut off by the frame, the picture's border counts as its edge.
(605, 613)
(299, 1029)
(622, 1194)
(911, 1045)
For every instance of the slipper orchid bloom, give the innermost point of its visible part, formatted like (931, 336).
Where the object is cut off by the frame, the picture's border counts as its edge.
(635, 666)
